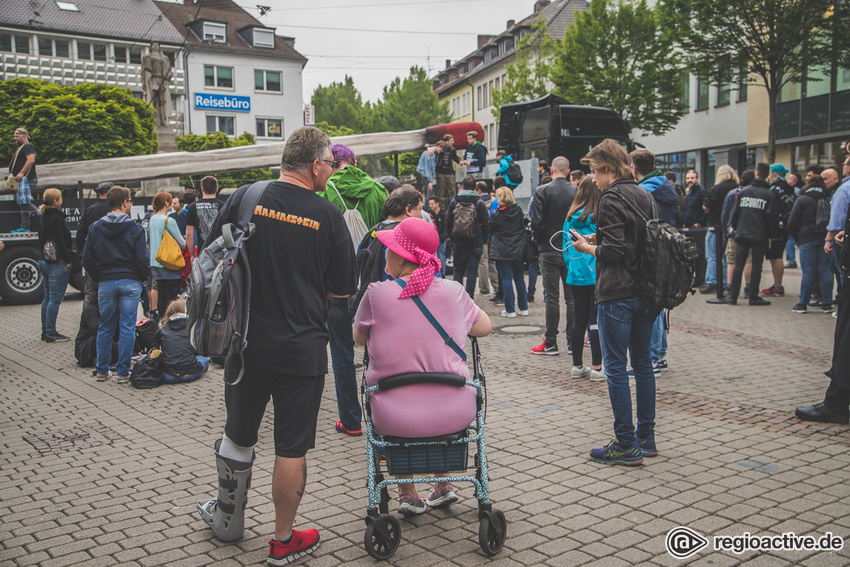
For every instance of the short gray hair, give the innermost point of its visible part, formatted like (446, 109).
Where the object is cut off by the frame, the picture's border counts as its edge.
(304, 146)
(561, 165)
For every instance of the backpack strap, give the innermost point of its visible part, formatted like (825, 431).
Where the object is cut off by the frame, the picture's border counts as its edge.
(249, 202)
(341, 199)
(428, 315)
(629, 202)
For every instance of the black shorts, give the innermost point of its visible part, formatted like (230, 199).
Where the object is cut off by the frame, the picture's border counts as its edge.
(296, 409)
(776, 249)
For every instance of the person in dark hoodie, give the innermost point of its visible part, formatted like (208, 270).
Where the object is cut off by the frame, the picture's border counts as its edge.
(116, 256)
(180, 361)
(92, 214)
(725, 180)
(754, 221)
(814, 260)
(468, 240)
(784, 195)
(625, 323)
(507, 225)
(664, 193)
(55, 239)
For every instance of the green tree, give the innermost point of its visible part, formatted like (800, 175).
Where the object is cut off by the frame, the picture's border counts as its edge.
(411, 104)
(619, 56)
(341, 105)
(215, 141)
(774, 39)
(527, 77)
(78, 123)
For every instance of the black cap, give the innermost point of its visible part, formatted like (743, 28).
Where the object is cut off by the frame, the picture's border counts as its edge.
(103, 187)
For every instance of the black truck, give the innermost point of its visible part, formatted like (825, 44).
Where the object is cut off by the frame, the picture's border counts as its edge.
(550, 126)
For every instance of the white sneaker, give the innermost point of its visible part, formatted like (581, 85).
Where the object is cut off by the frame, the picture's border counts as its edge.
(523, 312)
(510, 315)
(598, 375)
(582, 372)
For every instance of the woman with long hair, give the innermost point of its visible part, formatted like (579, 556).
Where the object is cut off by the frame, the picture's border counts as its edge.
(581, 277)
(507, 226)
(167, 281)
(725, 180)
(56, 261)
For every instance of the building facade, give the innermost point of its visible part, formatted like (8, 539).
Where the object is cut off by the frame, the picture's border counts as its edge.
(240, 76)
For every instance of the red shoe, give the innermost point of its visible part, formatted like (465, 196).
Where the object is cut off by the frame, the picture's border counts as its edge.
(773, 291)
(352, 432)
(543, 349)
(301, 543)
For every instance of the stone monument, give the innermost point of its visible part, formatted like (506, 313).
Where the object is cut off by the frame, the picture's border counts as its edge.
(156, 81)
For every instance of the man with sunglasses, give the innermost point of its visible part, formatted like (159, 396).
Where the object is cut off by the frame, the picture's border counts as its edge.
(300, 254)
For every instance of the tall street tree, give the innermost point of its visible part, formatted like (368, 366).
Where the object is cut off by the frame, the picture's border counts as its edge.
(341, 105)
(774, 39)
(411, 104)
(618, 55)
(527, 77)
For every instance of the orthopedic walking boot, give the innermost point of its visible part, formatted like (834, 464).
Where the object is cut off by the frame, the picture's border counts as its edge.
(225, 514)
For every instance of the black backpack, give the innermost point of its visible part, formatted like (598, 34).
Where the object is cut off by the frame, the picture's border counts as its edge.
(514, 173)
(368, 262)
(219, 300)
(464, 218)
(147, 372)
(667, 263)
(824, 213)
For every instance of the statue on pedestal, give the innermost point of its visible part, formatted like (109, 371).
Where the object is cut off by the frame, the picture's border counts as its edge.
(156, 77)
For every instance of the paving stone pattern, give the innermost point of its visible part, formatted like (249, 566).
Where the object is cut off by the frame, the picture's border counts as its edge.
(99, 474)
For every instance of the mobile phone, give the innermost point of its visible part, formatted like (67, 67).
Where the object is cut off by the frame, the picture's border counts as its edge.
(573, 235)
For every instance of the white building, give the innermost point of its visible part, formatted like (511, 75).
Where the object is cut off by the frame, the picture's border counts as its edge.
(240, 77)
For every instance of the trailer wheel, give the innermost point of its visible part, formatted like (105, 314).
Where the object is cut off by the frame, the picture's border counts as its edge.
(20, 278)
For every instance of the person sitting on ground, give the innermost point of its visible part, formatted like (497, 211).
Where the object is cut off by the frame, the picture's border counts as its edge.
(180, 361)
(401, 339)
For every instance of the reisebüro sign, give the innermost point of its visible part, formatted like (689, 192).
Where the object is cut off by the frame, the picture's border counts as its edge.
(222, 102)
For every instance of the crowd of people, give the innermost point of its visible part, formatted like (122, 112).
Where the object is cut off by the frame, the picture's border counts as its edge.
(372, 244)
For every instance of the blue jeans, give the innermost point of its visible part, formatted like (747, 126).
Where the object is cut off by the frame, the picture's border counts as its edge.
(175, 379)
(625, 325)
(816, 266)
(56, 276)
(342, 361)
(711, 260)
(466, 266)
(441, 254)
(119, 304)
(790, 254)
(658, 347)
(533, 270)
(511, 273)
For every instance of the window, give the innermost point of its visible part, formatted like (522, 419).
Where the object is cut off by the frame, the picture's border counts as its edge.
(486, 95)
(83, 50)
(99, 51)
(269, 128)
(221, 77)
(742, 87)
(702, 94)
(135, 55)
(22, 44)
(496, 84)
(842, 80)
(45, 46)
(465, 103)
(224, 124)
(263, 38)
(686, 88)
(215, 32)
(817, 81)
(6, 42)
(267, 80)
(480, 100)
(62, 49)
(67, 6)
(120, 54)
(789, 91)
(724, 92)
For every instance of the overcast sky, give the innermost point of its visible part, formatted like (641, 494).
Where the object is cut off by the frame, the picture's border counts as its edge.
(342, 37)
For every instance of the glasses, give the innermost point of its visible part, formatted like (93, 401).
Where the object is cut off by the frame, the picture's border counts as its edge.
(333, 163)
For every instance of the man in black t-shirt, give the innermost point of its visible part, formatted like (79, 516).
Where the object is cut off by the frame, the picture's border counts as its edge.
(300, 254)
(201, 215)
(23, 165)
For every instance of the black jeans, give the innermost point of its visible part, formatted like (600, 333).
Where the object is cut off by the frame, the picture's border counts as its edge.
(585, 315)
(554, 272)
(744, 247)
(466, 265)
(167, 290)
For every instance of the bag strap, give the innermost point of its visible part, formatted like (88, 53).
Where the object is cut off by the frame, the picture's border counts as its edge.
(343, 200)
(15, 159)
(249, 202)
(447, 338)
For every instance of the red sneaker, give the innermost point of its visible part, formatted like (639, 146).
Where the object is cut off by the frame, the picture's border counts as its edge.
(352, 432)
(546, 350)
(773, 291)
(301, 543)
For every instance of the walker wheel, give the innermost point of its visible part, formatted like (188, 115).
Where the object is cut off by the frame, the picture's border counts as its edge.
(377, 545)
(492, 532)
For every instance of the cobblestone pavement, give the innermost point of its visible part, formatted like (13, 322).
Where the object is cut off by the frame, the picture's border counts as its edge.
(103, 474)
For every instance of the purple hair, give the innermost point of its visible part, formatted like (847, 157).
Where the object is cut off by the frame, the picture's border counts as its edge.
(343, 153)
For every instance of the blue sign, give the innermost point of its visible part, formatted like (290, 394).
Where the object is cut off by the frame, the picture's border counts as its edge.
(222, 102)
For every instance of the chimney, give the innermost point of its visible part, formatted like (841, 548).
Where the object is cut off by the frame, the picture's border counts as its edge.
(540, 4)
(448, 63)
(484, 40)
(510, 24)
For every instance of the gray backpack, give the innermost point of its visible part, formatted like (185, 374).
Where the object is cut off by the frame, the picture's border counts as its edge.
(219, 290)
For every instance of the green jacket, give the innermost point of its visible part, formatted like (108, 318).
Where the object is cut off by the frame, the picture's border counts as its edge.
(357, 190)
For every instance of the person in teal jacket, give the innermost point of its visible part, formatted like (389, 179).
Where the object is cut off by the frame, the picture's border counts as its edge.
(581, 277)
(349, 188)
(505, 161)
